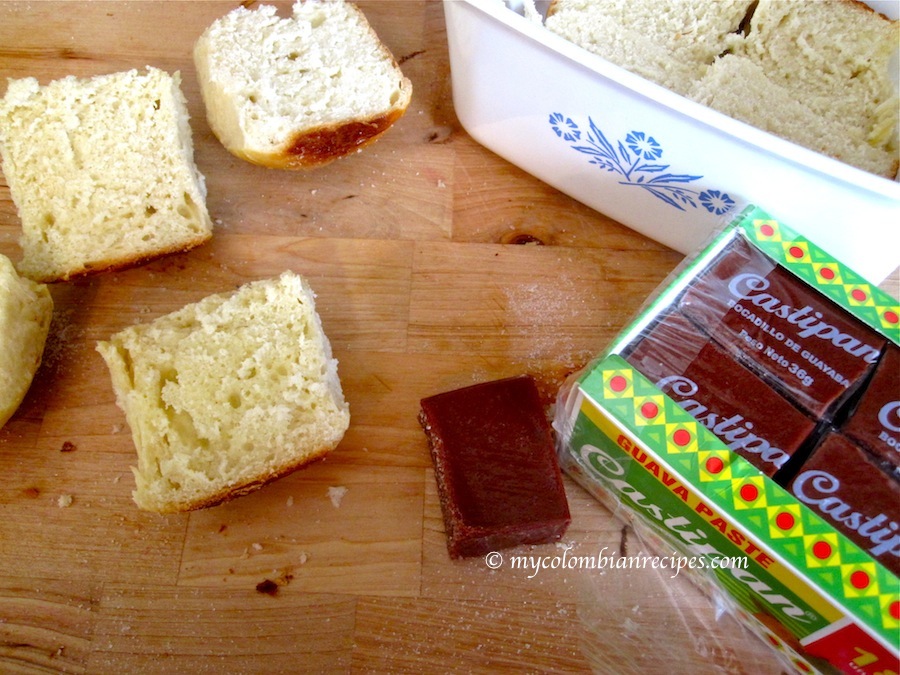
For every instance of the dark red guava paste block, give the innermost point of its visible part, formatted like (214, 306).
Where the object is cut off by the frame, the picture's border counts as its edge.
(841, 483)
(813, 350)
(495, 465)
(875, 423)
(744, 412)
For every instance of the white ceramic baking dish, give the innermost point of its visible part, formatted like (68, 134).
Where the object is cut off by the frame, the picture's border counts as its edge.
(655, 161)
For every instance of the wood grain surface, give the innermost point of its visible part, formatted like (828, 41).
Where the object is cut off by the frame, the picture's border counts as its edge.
(437, 265)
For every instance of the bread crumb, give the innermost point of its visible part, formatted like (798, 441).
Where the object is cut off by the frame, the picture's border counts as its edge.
(257, 546)
(64, 501)
(336, 494)
(267, 587)
(290, 501)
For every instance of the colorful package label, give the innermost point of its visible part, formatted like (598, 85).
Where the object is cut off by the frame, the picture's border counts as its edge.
(664, 465)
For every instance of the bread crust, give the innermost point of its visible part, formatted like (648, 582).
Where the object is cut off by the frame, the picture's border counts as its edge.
(114, 264)
(317, 147)
(229, 493)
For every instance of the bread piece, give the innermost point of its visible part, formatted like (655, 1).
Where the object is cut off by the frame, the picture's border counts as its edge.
(227, 394)
(101, 171)
(835, 57)
(25, 312)
(739, 88)
(298, 92)
(671, 43)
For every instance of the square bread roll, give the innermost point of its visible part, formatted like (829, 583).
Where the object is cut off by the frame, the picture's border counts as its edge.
(101, 171)
(227, 394)
(26, 309)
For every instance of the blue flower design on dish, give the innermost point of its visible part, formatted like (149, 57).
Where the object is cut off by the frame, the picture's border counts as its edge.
(636, 159)
(643, 146)
(716, 202)
(566, 129)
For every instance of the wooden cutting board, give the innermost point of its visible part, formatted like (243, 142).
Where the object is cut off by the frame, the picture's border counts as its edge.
(412, 249)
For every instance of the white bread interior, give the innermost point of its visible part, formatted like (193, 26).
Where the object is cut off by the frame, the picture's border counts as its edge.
(227, 394)
(669, 43)
(101, 171)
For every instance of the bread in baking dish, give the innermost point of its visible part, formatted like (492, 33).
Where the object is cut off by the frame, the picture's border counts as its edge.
(227, 394)
(670, 43)
(101, 171)
(757, 96)
(835, 58)
(298, 92)
(815, 72)
(26, 309)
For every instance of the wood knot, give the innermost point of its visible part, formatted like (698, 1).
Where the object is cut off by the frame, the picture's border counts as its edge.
(523, 239)
(439, 135)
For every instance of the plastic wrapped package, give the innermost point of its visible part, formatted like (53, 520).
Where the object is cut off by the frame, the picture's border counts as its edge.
(697, 422)
(650, 619)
